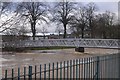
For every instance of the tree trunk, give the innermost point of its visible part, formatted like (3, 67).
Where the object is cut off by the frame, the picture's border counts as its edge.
(65, 33)
(43, 36)
(91, 27)
(59, 35)
(34, 35)
(82, 32)
(104, 35)
(92, 32)
(33, 30)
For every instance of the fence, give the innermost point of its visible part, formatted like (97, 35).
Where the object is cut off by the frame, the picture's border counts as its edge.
(93, 68)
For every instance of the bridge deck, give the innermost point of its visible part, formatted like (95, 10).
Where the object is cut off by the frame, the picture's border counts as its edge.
(101, 43)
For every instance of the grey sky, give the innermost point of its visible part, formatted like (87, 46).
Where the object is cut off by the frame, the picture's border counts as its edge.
(61, 0)
(111, 6)
(103, 5)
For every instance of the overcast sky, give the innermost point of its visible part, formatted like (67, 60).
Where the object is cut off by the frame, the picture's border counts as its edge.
(67, 0)
(103, 5)
(111, 5)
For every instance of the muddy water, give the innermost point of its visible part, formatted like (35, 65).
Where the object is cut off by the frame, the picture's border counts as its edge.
(14, 60)
(39, 57)
(48, 56)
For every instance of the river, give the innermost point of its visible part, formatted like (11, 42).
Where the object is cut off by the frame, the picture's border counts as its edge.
(34, 57)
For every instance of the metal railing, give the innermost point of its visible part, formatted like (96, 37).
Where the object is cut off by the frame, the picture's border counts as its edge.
(101, 43)
(92, 68)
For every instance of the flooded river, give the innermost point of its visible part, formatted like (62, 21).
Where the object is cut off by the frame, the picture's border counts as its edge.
(14, 60)
(36, 57)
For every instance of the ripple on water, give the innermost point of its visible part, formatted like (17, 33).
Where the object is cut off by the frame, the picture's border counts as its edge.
(2, 59)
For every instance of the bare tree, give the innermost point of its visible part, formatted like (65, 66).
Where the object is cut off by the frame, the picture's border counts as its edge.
(104, 23)
(91, 8)
(79, 22)
(18, 31)
(4, 6)
(44, 31)
(59, 30)
(34, 12)
(6, 19)
(62, 14)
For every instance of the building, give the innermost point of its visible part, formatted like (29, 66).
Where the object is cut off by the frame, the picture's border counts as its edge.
(119, 12)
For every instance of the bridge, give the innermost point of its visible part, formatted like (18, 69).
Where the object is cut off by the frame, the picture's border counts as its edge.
(97, 43)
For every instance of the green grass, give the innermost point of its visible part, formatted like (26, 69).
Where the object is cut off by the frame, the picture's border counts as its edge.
(50, 48)
(34, 48)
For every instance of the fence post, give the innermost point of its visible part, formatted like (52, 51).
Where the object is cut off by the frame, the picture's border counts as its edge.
(89, 63)
(73, 69)
(30, 73)
(84, 65)
(18, 73)
(70, 69)
(60, 70)
(53, 71)
(5, 74)
(12, 74)
(64, 70)
(49, 72)
(79, 68)
(67, 69)
(76, 69)
(118, 65)
(40, 72)
(35, 72)
(91, 69)
(44, 71)
(97, 75)
(57, 72)
(24, 73)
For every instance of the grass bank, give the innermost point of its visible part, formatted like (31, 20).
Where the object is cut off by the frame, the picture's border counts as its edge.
(34, 48)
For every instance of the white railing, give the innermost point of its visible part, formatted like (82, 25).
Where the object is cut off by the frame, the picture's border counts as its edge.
(103, 43)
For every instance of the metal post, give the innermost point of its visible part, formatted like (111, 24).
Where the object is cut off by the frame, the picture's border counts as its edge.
(24, 73)
(73, 69)
(84, 69)
(70, 69)
(91, 71)
(93, 67)
(79, 68)
(12, 74)
(44, 71)
(119, 64)
(97, 76)
(49, 72)
(30, 73)
(35, 71)
(89, 67)
(53, 71)
(57, 72)
(64, 70)
(76, 69)
(18, 73)
(67, 69)
(60, 70)
(40, 72)
(5, 74)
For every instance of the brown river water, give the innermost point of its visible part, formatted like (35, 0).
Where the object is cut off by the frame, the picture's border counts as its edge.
(9, 60)
(36, 57)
